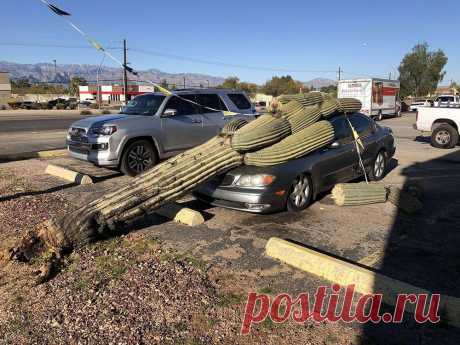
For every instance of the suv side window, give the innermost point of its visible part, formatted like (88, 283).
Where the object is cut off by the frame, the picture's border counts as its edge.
(342, 130)
(183, 107)
(239, 100)
(361, 124)
(211, 100)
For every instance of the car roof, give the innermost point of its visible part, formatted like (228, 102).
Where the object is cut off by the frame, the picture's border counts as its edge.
(198, 91)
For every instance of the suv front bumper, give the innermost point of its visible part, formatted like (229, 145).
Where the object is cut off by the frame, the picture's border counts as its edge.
(98, 152)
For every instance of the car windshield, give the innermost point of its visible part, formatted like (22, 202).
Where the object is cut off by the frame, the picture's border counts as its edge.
(143, 105)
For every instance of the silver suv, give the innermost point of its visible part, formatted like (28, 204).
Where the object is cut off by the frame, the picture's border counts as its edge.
(153, 126)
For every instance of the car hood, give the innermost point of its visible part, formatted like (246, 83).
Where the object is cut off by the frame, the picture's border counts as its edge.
(97, 121)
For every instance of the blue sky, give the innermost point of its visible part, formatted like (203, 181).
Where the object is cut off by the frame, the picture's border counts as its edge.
(363, 37)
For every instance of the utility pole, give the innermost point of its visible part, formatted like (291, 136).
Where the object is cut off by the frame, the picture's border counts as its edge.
(184, 82)
(55, 69)
(125, 73)
(339, 73)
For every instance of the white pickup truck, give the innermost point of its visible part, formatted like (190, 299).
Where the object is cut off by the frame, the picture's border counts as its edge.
(443, 123)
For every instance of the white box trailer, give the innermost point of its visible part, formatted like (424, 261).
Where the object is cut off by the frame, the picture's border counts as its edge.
(379, 97)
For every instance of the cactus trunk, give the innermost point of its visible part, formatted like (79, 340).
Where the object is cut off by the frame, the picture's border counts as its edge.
(262, 132)
(404, 200)
(231, 127)
(294, 146)
(352, 194)
(164, 183)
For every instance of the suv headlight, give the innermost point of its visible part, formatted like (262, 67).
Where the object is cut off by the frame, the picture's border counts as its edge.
(259, 180)
(104, 130)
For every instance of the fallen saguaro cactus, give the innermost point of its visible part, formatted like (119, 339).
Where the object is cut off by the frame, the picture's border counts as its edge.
(304, 118)
(403, 200)
(353, 194)
(294, 146)
(329, 107)
(231, 127)
(268, 140)
(348, 105)
(263, 132)
(162, 184)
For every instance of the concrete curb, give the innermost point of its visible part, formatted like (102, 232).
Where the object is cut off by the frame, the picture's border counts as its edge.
(179, 214)
(365, 281)
(68, 174)
(29, 155)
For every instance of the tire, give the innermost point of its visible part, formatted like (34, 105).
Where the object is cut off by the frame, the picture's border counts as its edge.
(300, 194)
(444, 136)
(378, 167)
(138, 157)
(380, 116)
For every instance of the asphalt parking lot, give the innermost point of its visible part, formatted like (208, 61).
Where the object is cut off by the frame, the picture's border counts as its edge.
(420, 249)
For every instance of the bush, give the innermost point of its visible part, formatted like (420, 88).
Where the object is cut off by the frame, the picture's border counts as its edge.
(105, 112)
(60, 106)
(86, 112)
(93, 106)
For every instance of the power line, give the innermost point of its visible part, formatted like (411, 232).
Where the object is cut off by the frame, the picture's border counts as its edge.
(225, 64)
(186, 58)
(51, 45)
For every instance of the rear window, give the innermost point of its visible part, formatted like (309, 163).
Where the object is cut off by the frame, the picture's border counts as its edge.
(239, 100)
(446, 99)
(212, 101)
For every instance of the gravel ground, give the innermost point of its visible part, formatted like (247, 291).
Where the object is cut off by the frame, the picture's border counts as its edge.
(132, 289)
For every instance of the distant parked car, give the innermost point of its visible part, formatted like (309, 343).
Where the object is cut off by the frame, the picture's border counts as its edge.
(154, 126)
(295, 184)
(447, 101)
(420, 102)
(30, 105)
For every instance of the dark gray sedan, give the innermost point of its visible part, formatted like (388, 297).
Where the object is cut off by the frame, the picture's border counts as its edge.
(295, 184)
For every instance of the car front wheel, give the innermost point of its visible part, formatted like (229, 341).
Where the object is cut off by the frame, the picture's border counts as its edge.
(138, 157)
(300, 194)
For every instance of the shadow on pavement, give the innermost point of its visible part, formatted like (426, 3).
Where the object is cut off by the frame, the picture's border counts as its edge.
(424, 250)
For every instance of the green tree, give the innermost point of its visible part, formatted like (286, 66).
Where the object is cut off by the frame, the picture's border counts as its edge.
(20, 83)
(283, 85)
(231, 83)
(74, 83)
(421, 71)
(330, 89)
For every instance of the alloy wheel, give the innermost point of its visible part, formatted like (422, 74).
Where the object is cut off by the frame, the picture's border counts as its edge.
(442, 137)
(139, 158)
(300, 191)
(379, 166)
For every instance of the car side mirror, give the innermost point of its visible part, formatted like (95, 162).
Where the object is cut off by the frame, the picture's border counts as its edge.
(335, 145)
(169, 112)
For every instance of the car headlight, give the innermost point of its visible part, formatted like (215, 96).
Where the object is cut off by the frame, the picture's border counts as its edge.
(259, 180)
(104, 130)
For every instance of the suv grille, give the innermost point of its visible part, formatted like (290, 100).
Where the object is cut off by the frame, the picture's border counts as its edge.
(77, 134)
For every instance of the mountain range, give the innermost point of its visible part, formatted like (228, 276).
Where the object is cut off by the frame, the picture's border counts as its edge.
(318, 83)
(62, 73)
(48, 72)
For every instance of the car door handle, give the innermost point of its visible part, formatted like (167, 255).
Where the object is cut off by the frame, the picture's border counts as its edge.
(197, 121)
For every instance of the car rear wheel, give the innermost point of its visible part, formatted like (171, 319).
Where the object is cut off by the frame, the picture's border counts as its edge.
(138, 157)
(379, 167)
(300, 194)
(380, 116)
(444, 136)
